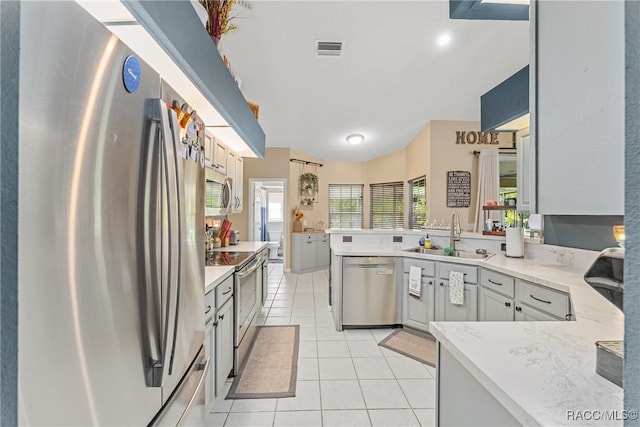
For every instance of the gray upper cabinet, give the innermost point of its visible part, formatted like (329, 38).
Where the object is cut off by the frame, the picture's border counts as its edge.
(506, 102)
(176, 26)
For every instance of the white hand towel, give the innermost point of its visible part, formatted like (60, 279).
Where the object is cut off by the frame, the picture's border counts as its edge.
(456, 287)
(415, 274)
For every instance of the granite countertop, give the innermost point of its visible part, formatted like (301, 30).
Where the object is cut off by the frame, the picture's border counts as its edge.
(537, 370)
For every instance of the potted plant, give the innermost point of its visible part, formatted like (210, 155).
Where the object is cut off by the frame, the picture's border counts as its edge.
(309, 183)
(219, 17)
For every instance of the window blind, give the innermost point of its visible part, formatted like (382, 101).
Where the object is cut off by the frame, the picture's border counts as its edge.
(387, 205)
(346, 209)
(417, 203)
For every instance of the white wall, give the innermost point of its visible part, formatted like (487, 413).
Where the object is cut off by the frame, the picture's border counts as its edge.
(580, 115)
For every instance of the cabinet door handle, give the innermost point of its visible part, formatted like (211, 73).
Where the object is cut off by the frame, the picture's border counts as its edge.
(507, 304)
(541, 300)
(431, 282)
(215, 323)
(221, 317)
(441, 283)
(495, 283)
(309, 242)
(227, 291)
(207, 310)
(518, 308)
(568, 316)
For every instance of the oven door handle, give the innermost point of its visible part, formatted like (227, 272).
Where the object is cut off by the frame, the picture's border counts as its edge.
(248, 270)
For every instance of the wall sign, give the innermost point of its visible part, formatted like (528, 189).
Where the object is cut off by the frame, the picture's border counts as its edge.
(473, 137)
(458, 189)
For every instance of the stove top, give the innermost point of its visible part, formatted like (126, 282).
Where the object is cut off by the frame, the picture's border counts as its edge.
(226, 258)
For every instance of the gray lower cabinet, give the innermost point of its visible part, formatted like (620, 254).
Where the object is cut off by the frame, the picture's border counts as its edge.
(524, 313)
(224, 344)
(495, 307)
(444, 309)
(417, 313)
(309, 252)
(455, 384)
(503, 298)
(210, 347)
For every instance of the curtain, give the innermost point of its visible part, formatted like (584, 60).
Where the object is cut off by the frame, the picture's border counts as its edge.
(263, 224)
(488, 184)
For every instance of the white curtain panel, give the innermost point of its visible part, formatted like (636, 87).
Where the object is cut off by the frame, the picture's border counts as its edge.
(488, 184)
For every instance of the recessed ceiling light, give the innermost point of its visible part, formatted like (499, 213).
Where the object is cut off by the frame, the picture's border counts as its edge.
(443, 39)
(355, 139)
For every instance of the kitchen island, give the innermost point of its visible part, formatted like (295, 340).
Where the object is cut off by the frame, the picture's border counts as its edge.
(537, 373)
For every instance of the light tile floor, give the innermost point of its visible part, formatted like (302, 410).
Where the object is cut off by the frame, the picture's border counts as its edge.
(344, 378)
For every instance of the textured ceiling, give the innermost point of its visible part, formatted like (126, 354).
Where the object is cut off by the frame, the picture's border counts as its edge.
(390, 81)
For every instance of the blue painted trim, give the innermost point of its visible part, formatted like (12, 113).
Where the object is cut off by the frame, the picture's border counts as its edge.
(475, 9)
(505, 102)
(176, 26)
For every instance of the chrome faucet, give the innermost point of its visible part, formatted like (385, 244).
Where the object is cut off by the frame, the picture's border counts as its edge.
(453, 238)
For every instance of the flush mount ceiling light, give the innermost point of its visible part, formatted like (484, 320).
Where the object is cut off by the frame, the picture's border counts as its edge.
(355, 139)
(443, 39)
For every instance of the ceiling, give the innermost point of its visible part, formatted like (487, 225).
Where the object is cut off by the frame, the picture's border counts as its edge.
(391, 80)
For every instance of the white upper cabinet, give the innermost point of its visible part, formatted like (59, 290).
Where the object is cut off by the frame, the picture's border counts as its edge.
(580, 107)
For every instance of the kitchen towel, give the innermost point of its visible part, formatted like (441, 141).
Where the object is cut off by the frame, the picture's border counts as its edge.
(415, 274)
(456, 287)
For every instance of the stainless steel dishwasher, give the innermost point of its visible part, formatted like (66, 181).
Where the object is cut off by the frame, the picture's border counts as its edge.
(368, 291)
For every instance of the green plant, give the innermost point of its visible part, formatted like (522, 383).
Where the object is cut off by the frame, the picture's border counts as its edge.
(308, 182)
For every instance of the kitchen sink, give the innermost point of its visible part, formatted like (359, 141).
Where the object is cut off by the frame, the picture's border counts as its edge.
(471, 255)
(435, 250)
(459, 253)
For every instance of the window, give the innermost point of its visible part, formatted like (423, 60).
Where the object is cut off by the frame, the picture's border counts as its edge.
(508, 190)
(346, 208)
(275, 209)
(387, 205)
(417, 203)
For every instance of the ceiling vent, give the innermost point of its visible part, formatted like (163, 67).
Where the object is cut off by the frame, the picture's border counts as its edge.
(328, 48)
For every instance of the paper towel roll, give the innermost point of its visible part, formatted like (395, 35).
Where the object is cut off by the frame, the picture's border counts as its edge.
(515, 242)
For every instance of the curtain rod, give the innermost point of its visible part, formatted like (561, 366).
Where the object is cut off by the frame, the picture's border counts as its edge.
(305, 162)
(502, 149)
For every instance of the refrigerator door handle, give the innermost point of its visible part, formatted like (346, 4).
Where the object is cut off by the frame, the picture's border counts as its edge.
(148, 232)
(176, 231)
(169, 259)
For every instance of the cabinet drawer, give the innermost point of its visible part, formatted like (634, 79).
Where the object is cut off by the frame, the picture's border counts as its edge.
(224, 291)
(498, 282)
(428, 267)
(545, 299)
(209, 305)
(470, 273)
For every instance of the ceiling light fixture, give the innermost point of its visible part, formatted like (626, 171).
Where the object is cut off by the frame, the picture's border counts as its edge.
(355, 139)
(443, 39)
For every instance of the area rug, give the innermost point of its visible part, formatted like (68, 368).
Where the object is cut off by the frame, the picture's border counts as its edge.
(421, 347)
(271, 367)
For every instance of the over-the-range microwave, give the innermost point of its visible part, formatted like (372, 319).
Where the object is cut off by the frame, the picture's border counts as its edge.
(217, 193)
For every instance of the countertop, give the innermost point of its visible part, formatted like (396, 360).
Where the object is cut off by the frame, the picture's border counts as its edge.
(537, 370)
(243, 246)
(213, 276)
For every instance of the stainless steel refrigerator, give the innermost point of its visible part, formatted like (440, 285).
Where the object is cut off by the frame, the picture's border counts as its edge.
(111, 268)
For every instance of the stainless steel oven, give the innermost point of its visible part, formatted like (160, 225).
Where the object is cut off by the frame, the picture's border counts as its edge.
(247, 279)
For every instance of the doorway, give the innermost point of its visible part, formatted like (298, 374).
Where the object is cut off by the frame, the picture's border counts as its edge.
(267, 216)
